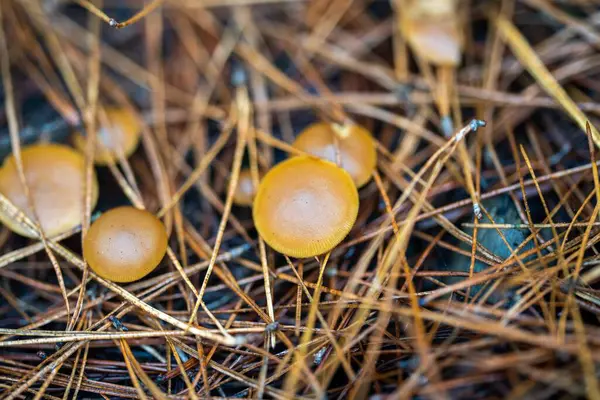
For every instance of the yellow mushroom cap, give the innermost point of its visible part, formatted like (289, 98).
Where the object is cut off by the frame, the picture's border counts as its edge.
(122, 134)
(438, 41)
(125, 244)
(55, 176)
(432, 29)
(356, 145)
(245, 190)
(305, 206)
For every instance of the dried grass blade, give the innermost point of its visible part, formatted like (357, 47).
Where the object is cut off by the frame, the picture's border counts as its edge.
(527, 56)
(90, 146)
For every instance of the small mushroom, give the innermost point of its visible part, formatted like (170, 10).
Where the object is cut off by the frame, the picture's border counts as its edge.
(245, 190)
(356, 146)
(121, 134)
(432, 29)
(55, 176)
(125, 244)
(305, 206)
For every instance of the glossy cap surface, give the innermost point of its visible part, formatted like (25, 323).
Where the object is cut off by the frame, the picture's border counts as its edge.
(245, 190)
(125, 244)
(357, 148)
(55, 177)
(305, 206)
(122, 134)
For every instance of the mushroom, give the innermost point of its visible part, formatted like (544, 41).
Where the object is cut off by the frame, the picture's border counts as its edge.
(122, 134)
(432, 28)
(356, 146)
(305, 206)
(125, 244)
(245, 190)
(55, 176)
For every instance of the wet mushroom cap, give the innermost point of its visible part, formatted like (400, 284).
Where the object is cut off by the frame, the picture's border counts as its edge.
(55, 176)
(121, 134)
(245, 190)
(356, 145)
(125, 244)
(305, 206)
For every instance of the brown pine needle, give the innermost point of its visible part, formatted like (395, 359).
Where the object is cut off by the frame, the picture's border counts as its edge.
(473, 267)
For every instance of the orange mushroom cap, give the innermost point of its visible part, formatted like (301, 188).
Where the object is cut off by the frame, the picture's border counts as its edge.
(125, 244)
(305, 206)
(356, 145)
(245, 190)
(122, 134)
(55, 176)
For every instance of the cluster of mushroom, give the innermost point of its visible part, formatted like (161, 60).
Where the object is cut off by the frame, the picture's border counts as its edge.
(303, 207)
(123, 244)
(306, 205)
